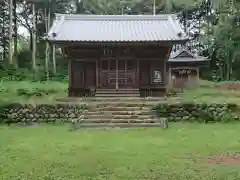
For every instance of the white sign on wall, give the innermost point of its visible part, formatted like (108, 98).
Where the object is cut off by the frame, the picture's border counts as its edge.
(157, 76)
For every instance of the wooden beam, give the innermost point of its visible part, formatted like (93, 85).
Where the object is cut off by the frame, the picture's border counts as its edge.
(185, 67)
(140, 43)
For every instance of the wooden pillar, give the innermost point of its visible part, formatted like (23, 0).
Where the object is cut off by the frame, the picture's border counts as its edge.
(116, 74)
(137, 76)
(125, 72)
(69, 77)
(97, 73)
(170, 76)
(169, 68)
(165, 72)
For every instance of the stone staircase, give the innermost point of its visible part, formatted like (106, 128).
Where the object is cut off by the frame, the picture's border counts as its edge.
(121, 114)
(101, 93)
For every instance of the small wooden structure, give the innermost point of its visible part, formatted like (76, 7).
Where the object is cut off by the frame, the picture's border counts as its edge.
(183, 68)
(121, 53)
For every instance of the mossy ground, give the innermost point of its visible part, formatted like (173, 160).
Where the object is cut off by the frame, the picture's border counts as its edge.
(53, 153)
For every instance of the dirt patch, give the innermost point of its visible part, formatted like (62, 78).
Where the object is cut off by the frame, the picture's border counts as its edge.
(227, 159)
(231, 159)
(229, 86)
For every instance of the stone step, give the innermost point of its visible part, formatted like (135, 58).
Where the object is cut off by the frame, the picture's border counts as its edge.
(118, 117)
(122, 99)
(103, 120)
(118, 95)
(114, 99)
(121, 105)
(113, 91)
(120, 113)
(112, 108)
(119, 108)
(118, 125)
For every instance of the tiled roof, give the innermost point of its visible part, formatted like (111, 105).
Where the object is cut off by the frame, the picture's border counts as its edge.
(120, 28)
(184, 55)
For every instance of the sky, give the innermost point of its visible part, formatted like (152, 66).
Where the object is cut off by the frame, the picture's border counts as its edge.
(23, 31)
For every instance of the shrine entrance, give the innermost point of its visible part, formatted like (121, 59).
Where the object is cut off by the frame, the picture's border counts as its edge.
(118, 74)
(184, 77)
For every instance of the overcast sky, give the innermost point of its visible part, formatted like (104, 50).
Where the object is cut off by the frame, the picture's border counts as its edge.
(23, 31)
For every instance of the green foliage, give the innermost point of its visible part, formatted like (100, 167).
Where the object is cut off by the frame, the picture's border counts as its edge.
(24, 58)
(23, 74)
(224, 39)
(20, 74)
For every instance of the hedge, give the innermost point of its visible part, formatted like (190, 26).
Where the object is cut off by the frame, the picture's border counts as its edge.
(197, 112)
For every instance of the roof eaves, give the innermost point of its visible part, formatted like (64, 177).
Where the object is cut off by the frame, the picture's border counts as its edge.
(56, 26)
(196, 59)
(118, 17)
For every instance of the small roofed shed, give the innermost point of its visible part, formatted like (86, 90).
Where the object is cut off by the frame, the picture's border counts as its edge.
(114, 53)
(183, 68)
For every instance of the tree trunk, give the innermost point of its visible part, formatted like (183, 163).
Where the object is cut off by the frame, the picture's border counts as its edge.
(4, 45)
(34, 38)
(15, 33)
(30, 40)
(47, 52)
(10, 32)
(54, 59)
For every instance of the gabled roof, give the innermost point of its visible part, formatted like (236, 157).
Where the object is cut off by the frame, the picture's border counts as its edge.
(184, 55)
(121, 28)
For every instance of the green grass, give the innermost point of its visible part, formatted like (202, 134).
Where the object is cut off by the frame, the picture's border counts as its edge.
(207, 92)
(54, 153)
(10, 91)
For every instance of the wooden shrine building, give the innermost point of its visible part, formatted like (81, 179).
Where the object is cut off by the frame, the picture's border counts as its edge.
(183, 68)
(119, 53)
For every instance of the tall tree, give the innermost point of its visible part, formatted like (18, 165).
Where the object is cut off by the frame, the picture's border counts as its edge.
(10, 5)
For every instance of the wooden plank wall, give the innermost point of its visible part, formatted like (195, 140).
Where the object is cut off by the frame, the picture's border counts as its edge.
(83, 74)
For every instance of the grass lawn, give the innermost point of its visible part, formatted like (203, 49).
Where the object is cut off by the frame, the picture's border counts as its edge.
(32, 92)
(54, 153)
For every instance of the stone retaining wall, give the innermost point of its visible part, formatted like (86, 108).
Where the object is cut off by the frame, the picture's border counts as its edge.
(18, 113)
(42, 113)
(197, 112)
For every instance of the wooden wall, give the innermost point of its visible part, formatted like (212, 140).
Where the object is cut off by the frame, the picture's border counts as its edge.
(83, 74)
(139, 51)
(146, 68)
(83, 59)
(185, 77)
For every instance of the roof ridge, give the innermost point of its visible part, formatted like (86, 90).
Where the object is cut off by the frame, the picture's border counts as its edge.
(117, 17)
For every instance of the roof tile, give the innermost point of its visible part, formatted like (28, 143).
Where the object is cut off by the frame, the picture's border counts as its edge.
(116, 28)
